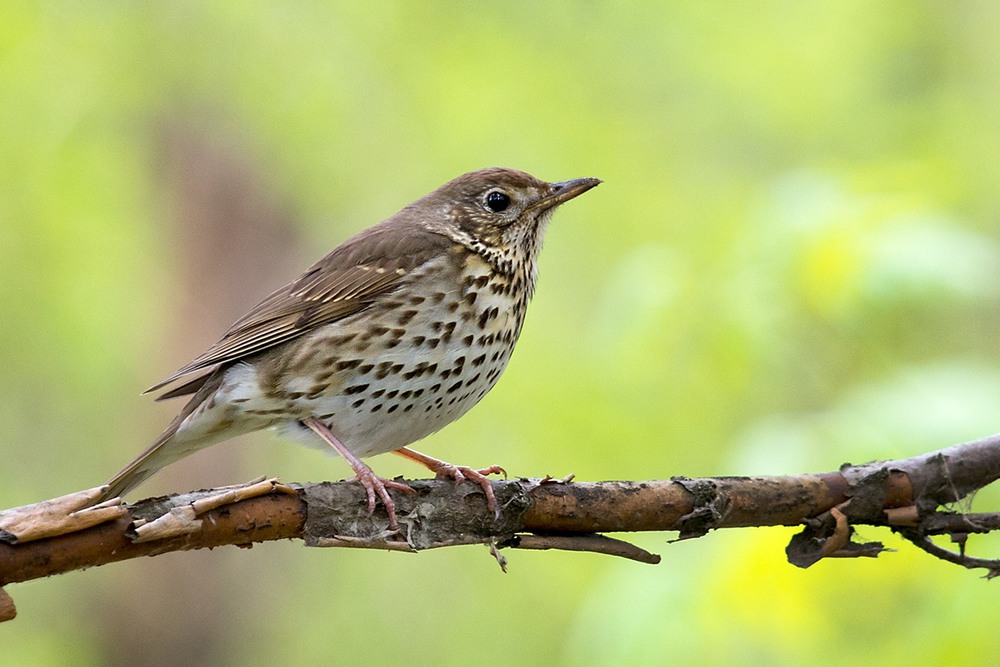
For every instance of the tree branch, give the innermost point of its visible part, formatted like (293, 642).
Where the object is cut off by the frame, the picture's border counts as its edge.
(57, 536)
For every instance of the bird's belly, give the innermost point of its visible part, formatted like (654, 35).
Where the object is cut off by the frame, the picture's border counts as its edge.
(394, 390)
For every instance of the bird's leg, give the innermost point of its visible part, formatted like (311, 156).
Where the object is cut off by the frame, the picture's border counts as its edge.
(444, 470)
(372, 483)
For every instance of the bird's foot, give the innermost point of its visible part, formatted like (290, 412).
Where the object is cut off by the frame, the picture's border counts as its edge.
(462, 473)
(372, 483)
(443, 470)
(379, 486)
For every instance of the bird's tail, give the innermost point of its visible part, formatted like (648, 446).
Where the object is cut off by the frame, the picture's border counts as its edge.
(171, 446)
(144, 466)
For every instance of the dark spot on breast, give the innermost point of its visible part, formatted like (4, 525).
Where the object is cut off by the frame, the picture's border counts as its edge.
(406, 316)
(346, 365)
(481, 281)
(455, 387)
(358, 403)
(374, 332)
(393, 408)
(326, 375)
(470, 297)
(416, 299)
(295, 395)
(433, 342)
(409, 406)
(392, 394)
(382, 370)
(478, 361)
(438, 297)
(376, 408)
(366, 368)
(418, 340)
(377, 393)
(486, 316)
(420, 369)
(435, 388)
(468, 340)
(355, 389)
(343, 339)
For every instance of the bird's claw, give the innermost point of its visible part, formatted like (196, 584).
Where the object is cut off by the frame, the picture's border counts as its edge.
(463, 473)
(379, 486)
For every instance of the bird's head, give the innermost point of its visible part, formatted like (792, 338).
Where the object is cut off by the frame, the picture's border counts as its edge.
(498, 213)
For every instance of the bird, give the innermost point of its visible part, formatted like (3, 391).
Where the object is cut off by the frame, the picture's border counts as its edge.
(394, 334)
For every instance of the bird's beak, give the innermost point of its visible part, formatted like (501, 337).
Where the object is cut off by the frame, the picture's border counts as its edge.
(563, 191)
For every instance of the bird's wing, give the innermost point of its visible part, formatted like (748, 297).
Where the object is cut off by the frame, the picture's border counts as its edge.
(349, 279)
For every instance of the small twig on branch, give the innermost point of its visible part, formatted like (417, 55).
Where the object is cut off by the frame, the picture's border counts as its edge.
(57, 536)
(923, 542)
(598, 544)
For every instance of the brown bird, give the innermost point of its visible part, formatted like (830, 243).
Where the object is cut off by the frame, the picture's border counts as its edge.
(397, 332)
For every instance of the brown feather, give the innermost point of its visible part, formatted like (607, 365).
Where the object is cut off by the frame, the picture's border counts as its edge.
(344, 282)
(189, 387)
(159, 453)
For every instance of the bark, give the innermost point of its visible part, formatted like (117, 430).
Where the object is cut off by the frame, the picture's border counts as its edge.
(906, 495)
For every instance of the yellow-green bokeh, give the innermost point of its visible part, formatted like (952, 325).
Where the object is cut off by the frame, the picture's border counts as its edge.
(792, 263)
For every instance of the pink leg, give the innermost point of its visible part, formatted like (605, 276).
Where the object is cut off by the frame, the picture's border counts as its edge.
(442, 470)
(372, 483)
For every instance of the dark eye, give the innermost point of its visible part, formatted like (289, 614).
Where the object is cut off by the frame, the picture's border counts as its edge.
(497, 201)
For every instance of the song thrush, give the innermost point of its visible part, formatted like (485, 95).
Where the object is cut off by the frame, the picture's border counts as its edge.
(394, 334)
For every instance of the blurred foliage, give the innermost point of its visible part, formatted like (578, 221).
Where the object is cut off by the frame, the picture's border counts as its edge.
(792, 263)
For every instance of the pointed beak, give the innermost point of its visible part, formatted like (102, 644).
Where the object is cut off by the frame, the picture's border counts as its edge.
(563, 191)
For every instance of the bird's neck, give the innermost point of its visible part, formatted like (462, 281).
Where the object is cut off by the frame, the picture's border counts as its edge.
(513, 256)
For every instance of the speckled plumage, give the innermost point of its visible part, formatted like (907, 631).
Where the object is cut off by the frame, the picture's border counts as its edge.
(397, 332)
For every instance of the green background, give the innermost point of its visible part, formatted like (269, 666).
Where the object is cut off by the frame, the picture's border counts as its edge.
(792, 263)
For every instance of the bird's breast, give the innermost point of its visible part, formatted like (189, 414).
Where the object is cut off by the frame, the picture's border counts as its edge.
(408, 365)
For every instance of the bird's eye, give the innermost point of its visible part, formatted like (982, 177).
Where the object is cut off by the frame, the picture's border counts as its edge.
(497, 201)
